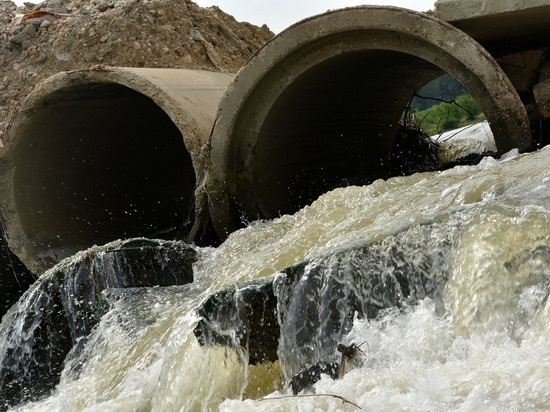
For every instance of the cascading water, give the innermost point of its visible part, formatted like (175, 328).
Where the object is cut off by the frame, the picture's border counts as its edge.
(441, 279)
(317, 311)
(64, 305)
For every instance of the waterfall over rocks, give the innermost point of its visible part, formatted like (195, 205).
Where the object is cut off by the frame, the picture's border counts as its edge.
(439, 282)
(300, 315)
(63, 306)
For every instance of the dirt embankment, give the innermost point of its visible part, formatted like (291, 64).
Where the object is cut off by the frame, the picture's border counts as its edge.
(39, 40)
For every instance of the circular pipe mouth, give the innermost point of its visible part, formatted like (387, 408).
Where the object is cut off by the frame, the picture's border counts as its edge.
(109, 164)
(100, 155)
(319, 107)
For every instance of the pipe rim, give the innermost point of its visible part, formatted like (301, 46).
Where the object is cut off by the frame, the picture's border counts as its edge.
(37, 258)
(435, 34)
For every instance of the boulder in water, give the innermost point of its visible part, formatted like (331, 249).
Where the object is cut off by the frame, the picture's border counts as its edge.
(62, 307)
(300, 315)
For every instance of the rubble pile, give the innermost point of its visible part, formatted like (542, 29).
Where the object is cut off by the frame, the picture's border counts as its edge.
(39, 40)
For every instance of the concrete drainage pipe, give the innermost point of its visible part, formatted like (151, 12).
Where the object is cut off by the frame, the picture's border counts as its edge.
(106, 153)
(319, 106)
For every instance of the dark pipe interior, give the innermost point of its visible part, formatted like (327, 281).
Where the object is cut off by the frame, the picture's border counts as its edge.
(110, 164)
(335, 125)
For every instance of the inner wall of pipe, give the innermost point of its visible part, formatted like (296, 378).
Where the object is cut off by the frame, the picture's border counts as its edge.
(111, 164)
(335, 126)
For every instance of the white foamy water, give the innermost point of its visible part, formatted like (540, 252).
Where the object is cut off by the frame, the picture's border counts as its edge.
(488, 350)
(467, 140)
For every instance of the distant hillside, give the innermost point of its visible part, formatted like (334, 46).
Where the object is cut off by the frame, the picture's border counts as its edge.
(445, 87)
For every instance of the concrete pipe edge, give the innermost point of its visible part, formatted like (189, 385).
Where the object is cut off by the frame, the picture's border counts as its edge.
(182, 103)
(268, 86)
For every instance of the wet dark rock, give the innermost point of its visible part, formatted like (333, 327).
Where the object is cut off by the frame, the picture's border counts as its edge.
(19, 277)
(244, 316)
(63, 306)
(301, 315)
(31, 363)
(352, 355)
(311, 374)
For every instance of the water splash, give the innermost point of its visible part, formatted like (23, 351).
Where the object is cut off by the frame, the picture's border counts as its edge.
(63, 306)
(476, 339)
(318, 301)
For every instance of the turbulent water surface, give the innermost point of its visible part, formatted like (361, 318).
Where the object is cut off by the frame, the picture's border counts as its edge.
(481, 343)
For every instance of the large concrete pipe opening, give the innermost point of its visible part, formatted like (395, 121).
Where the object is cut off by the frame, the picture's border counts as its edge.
(319, 107)
(102, 154)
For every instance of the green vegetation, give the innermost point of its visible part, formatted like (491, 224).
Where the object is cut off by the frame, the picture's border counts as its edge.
(444, 104)
(445, 88)
(462, 111)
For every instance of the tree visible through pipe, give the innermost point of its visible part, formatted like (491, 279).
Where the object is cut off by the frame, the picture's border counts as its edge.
(108, 153)
(319, 107)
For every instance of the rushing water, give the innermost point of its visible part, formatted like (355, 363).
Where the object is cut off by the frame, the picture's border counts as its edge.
(473, 335)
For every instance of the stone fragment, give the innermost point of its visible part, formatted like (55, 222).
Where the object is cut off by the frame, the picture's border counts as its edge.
(166, 27)
(103, 7)
(196, 35)
(311, 374)
(18, 38)
(34, 22)
(65, 57)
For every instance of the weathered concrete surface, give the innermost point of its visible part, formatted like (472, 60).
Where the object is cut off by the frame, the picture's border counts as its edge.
(452, 10)
(522, 68)
(517, 34)
(105, 153)
(499, 25)
(319, 107)
(542, 97)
